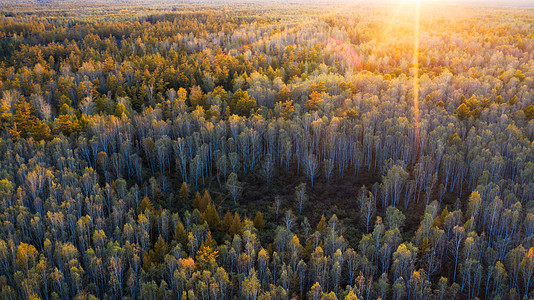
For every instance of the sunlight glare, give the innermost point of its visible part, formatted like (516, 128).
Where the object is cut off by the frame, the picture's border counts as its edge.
(417, 20)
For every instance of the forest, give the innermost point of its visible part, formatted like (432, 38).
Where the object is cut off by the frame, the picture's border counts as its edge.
(219, 151)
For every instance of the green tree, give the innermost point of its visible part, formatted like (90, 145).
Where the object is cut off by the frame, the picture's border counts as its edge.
(242, 104)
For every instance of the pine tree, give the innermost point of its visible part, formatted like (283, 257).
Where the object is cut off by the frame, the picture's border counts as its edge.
(211, 216)
(160, 249)
(318, 87)
(316, 292)
(314, 101)
(180, 234)
(66, 125)
(109, 64)
(529, 111)
(463, 111)
(6, 117)
(287, 109)
(321, 227)
(24, 117)
(241, 103)
(145, 205)
(198, 201)
(351, 296)
(205, 201)
(259, 223)
(15, 133)
(351, 113)
(40, 131)
(284, 95)
(26, 123)
(235, 227)
(227, 221)
(206, 256)
(184, 192)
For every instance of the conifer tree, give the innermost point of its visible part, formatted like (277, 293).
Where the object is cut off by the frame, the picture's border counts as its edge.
(259, 223)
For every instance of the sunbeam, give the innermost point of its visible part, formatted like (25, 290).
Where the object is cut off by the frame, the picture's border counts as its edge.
(417, 16)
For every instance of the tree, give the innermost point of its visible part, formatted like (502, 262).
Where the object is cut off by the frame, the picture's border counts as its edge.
(6, 190)
(312, 167)
(318, 86)
(529, 111)
(474, 205)
(314, 102)
(234, 186)
(180, 234)
(351, 113)
(116, 270)
(251, 286)
(6, 117)
(329, 296)
(206, 257)
(287, 109)
(197, 97)
(184, 192)
(316, 292)
(222, 167)
(351, 296)
(259, 223)
(289, 220)
(527, 271)
(393, 184)
(268, 168)
(321, 226)
(211, 216)
(276, 204)
(367, 208)
(27, 256)
(26, 123)
(283, 95)
(463, 112)
(403, 261)
(24, 118)
(328, 167)
(394, 218)
(236, 225)
(241, 104)
(300, 195)
(455, 242)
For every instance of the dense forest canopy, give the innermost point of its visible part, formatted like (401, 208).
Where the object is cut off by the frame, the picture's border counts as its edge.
(266, 151)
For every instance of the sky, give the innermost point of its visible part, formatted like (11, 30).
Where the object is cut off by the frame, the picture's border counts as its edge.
(507, 3)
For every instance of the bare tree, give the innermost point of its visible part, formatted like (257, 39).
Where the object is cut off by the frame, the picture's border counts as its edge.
(312, 167)
(328, 167)
(368, 208)
(300, 195)
(277, 203)
(455, 243)
(267, 168)
(234, 186)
